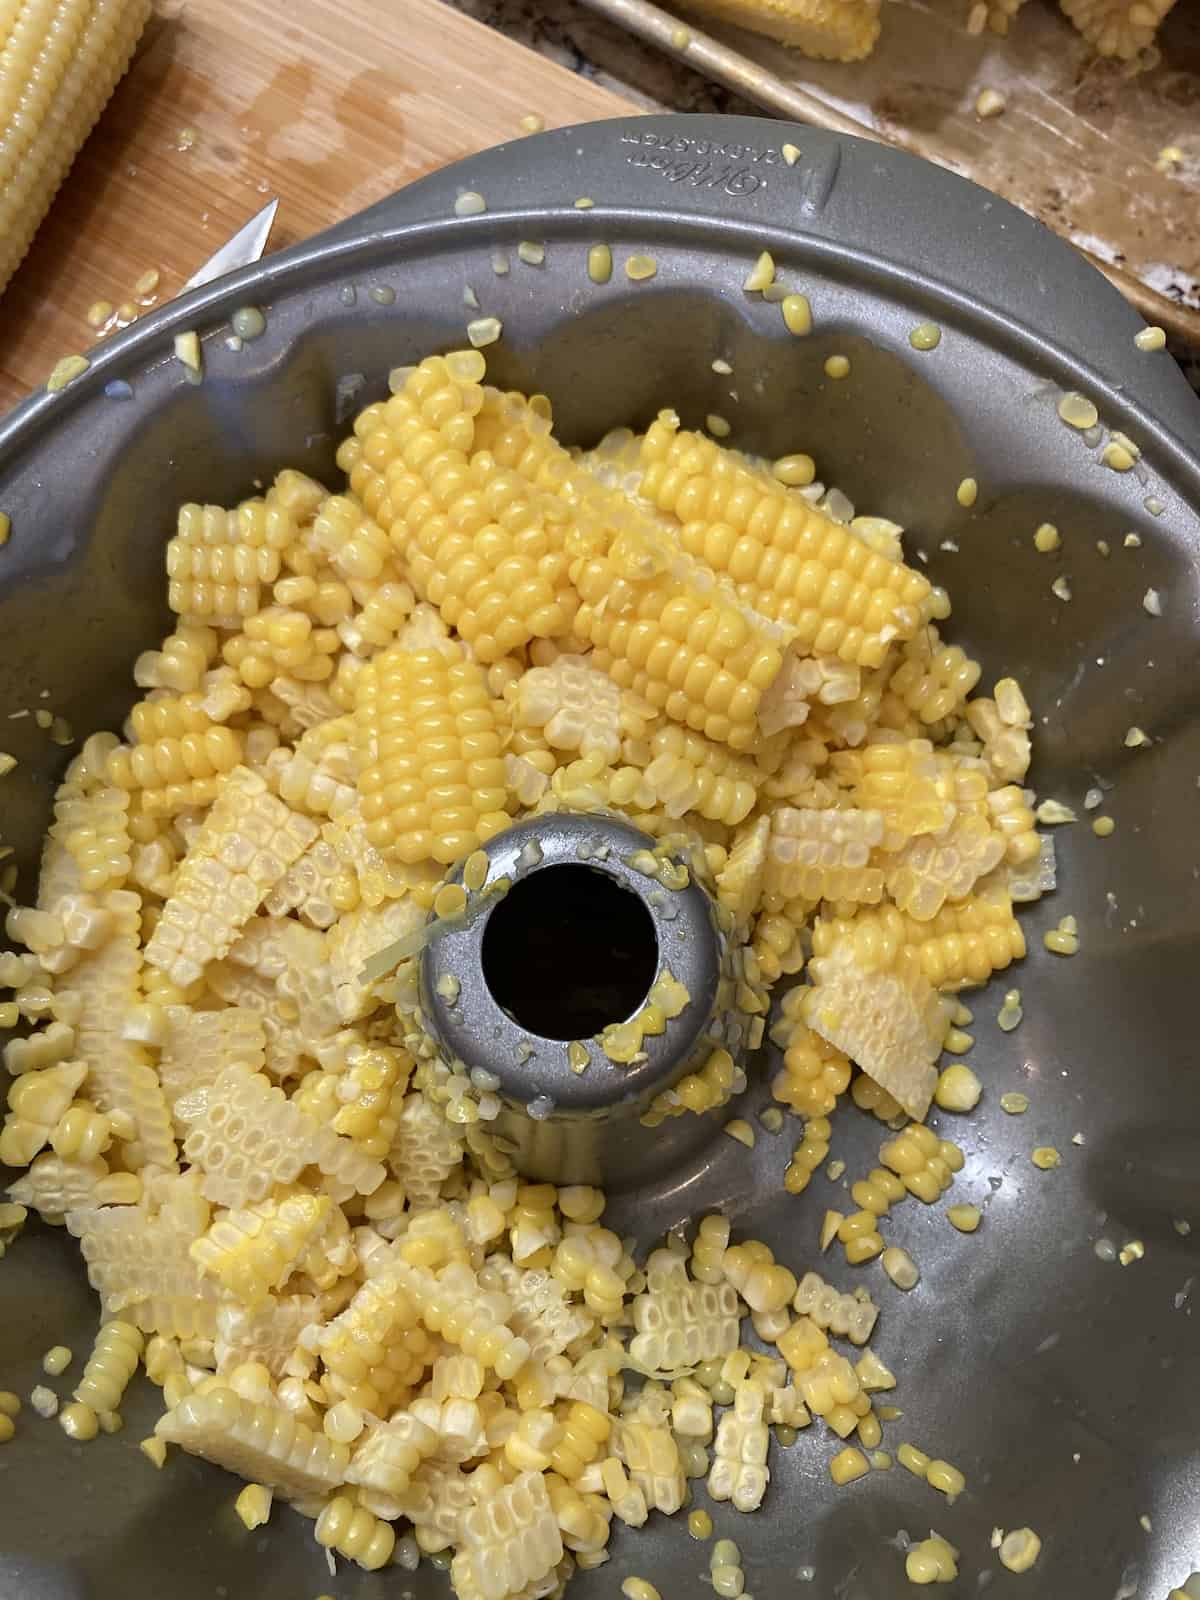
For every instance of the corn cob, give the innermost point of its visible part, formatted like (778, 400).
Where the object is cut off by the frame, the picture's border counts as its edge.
(62, 61)
(285, 1047)
(140, 1268)
(53, 1186)
(900, 779)
(508, 1541)
(1119, 28)
(787, 559)
(318, 776)
(253, 1252)
(849, 1316)
(268, 1334)
(871, 999)
(651, 1457)
(120, 1077)
(687, 772)
(739, 1470)
(262, 1443)
(248, 841)
(386, 1458)
(94, 827)
(683, 1326)
(375, 1352)
(219, 560)
(824, 855)
(932, 869)
(198, 1045)
(433, 783)
(540, 1312)
(578, 708)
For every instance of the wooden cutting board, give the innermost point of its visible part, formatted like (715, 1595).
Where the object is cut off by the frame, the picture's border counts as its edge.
(329, 104)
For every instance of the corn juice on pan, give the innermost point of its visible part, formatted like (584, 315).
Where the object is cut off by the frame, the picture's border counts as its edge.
(1063, 1384)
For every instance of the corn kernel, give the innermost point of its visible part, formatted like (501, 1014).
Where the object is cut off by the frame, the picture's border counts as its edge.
(253, 1505)
(762, 275)
(44, 1401)
(965, 1218)
(848, 1465)
(738, 1128)
(900, 1267)
(1103, 826)
(958, 1089)
(1046, 1157)
(700, 1524)
(797, 471)
(931, 1561)
(837, 367)
(1020, 1549)
(1014, 1102)
(967, 492)
(946, 1479)
(1047, 538)
(1133, 1251)
(7, 1428)
(957, 1041)
(639, 267)
(925, 336)
(79, 1422)
(797, 314)
(10, 1404)
(155, 1450)
(1151, 338)
(915, 1460)
(639, 1589)
(57, 1360)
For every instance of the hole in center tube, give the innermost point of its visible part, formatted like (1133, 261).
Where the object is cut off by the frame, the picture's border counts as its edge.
(567, 951)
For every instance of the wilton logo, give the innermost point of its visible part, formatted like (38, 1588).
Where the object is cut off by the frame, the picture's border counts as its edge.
(702, 163)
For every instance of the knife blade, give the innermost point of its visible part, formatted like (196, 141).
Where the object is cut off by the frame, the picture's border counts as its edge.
(244, 247)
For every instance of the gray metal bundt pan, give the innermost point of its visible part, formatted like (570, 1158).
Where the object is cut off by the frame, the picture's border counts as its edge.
(1066, 1388)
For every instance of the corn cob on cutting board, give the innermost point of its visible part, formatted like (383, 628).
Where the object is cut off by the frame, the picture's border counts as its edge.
(330, 107)
(1077, 145)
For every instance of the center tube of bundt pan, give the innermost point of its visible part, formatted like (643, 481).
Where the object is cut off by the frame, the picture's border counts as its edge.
(585, 990)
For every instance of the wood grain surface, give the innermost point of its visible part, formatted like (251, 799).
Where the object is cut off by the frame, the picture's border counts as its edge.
(329, 104)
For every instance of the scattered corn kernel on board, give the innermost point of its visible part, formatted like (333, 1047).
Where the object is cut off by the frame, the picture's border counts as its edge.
(330, 107)
(1077, 144)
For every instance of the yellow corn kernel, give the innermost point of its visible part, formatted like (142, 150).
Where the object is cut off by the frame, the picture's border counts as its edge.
(797, 471)
(1046, 1157)
(7, 1428)
(925, 336)
(915, 1460)
(640, 267)
(1133, 1251)
(848, 1465)
(958, 1088)
(931, 1561)
(965, 1218)
(79, 1422)
(738, 1128)
(354, 1533)
(947, 1480)
(56, 1360)
(10, 1404)
(639, 1589)
(253, 1505)
(155, 1450)
(1063, 940)
(1020, 1549)
(797, 314)
(700, 1524)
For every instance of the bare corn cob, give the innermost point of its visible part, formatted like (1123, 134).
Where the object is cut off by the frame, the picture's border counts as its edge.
(61, 61)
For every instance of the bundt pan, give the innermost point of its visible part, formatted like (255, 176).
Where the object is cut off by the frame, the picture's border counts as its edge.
(1067, 1387)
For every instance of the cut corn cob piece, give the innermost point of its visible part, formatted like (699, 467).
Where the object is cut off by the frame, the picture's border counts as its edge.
(263, 1443)
(218, 561)
(849, 1316)
(197, 1046)
(739, 1471)
(541, 1313)
(268, 1334)
(425, 1151)
(253, 1252)
(433, 783)
(824, 855)
(248, 841)
(934, 868)
(882, 1012)
(55, 1185)
(104, 987)
(247, 1137)
(509, 1540)
(578, 708)
(651, 1457)
(683, 1325)
(826, 30)
(140, 1268)
(62, 61)
(787, 559)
